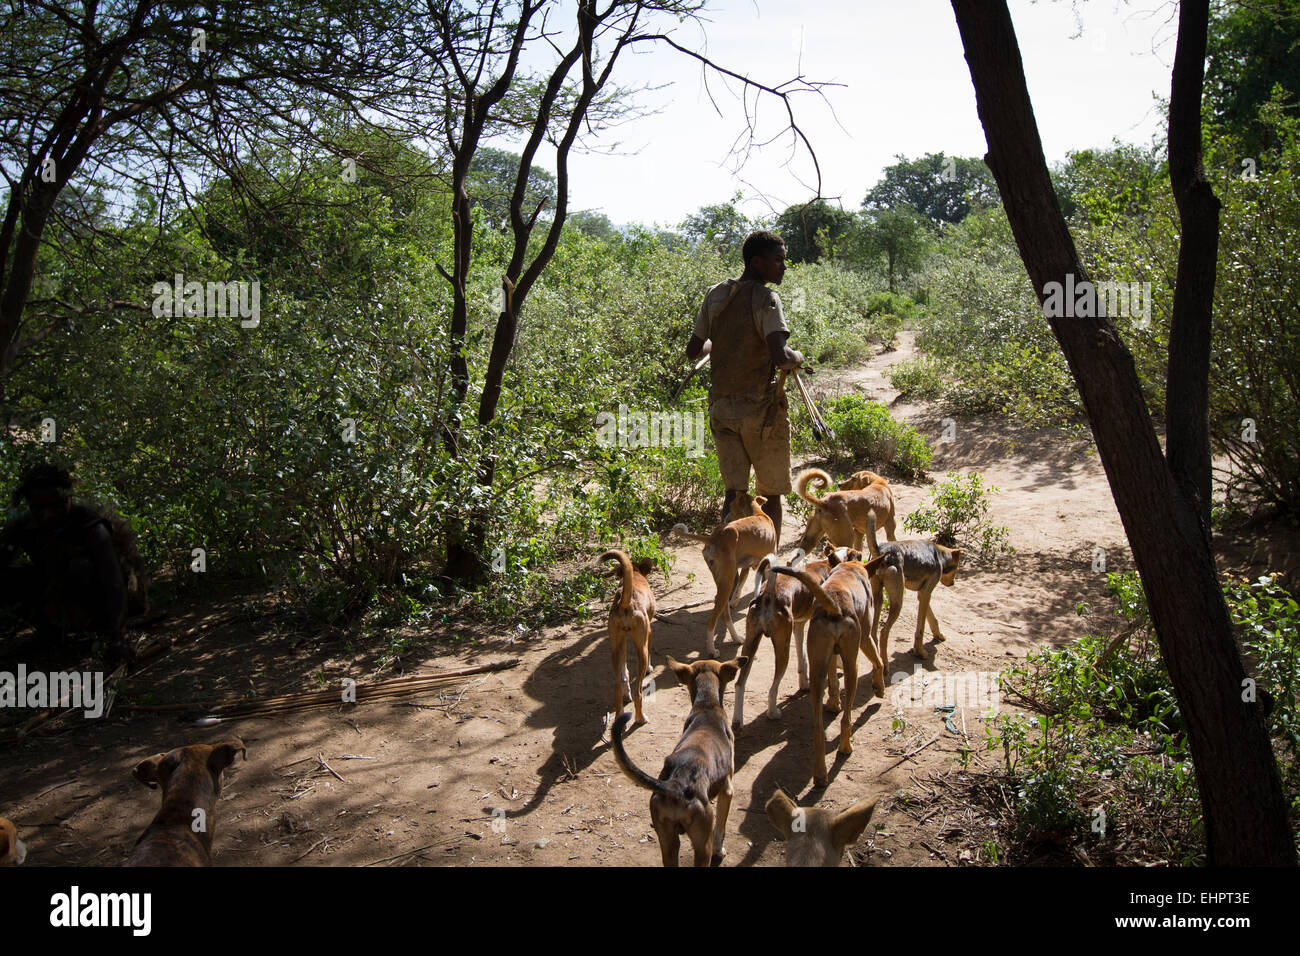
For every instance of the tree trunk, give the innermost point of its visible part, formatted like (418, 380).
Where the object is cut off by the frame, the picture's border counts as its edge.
(1245, 814)
(1187, 383)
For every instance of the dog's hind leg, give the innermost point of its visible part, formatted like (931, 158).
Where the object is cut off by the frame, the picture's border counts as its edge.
(753, 635)
(799, 644)
(618, 655)
(818, 665)
(891, 581)
(642, 644)
(922, 612)
(700, 833)
(781, 647)
(833, 683)
(669, 844)
(720, 824)
(850, 661)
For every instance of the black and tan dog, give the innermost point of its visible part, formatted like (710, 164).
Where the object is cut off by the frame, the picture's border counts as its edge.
(629, 621)
(842, 515)
(190, 777)
(730, 552)
(917, 566)
(814, 836)
(840, 625)
(780, 611)
(697, 772)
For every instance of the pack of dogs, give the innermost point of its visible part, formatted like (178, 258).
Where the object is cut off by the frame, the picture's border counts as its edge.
(829, 609)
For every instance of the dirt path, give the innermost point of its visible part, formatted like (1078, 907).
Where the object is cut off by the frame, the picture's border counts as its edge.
(515, 767)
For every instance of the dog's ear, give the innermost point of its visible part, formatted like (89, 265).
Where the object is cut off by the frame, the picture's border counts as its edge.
(873, 566)
(146, 771)
(780, 812)
(645, 566)
(849, 824)
(852, 554)
(759, 501)
(729, 670)
(223, 755)
(684, 672)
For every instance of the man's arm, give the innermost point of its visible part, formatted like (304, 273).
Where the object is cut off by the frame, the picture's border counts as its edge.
(782, 355)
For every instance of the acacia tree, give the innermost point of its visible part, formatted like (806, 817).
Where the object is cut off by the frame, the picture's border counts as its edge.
(1162, 501)
(480, 66)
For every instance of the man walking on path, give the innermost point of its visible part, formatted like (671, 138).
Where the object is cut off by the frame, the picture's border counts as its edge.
(743, 329)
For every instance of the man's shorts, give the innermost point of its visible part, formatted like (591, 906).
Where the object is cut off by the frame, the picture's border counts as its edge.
(760, 441)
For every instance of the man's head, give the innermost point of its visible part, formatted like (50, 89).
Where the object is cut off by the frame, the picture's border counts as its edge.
(764, 254)
(45, 489)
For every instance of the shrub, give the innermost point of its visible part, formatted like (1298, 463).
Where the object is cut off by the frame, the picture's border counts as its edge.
(958, 513)
(865, 430)
(919, 378)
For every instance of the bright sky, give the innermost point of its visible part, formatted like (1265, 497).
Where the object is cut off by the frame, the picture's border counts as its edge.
(1094, 70)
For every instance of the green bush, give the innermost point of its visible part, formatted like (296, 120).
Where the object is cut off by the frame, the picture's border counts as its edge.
(865, 430)
(919, 378)
(1111, 728)
(958, 513)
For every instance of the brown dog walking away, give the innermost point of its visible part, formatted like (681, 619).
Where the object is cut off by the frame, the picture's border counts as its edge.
(697, 772)
(780, 611)
(840, 625)
(917, 566)
(814, 836)
(629, 620)
(842, 515)
(190, 777)
(12, 850)
(730, 552)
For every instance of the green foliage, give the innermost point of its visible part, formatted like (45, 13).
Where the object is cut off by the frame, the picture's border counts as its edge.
(1269, 621)
(986, 329)
(864, 430)
(1109, 714)
(957, 513)
(1251, 52)
(943, 189)
(721, 228)
(813, 231)
(919, 378)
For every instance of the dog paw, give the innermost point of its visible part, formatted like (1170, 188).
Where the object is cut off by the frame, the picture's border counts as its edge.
(774, 713)
(940, 637)
(832, 707)
(922, 653)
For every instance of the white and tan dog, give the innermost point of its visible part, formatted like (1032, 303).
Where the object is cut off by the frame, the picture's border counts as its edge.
(12, 850)
(731, 552)
(814, 836)
(629, 621)
(842, 515)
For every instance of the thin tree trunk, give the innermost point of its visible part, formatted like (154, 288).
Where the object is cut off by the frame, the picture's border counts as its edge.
(1187, 384)
(1245, 814)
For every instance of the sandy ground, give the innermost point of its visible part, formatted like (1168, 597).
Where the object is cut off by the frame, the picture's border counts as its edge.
(515, 767)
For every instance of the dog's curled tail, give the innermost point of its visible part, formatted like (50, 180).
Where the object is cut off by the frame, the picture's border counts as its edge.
(808, 477)
(635, 773)
(686, 532)
(625, 563)
(814, 586)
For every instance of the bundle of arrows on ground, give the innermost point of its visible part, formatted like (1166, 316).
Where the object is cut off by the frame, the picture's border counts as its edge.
(289, 703)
